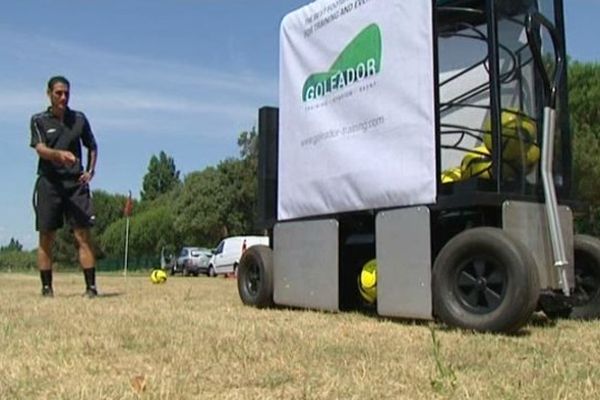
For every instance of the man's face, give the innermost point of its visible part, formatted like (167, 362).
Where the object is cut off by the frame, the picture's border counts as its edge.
(59, 96)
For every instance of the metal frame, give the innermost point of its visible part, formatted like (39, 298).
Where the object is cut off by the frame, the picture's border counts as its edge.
(472, 193)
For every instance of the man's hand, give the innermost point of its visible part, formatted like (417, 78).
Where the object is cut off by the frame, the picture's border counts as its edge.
(64, 157)
(85, 177)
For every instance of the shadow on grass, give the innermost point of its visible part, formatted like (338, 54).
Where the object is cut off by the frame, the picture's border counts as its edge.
(537, 320)
(100, 295)
(110, 294)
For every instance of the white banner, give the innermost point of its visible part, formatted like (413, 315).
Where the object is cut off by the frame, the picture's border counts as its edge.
(357, 120)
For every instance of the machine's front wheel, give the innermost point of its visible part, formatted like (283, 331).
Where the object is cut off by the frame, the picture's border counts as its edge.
(485, 280)
(255, 277)
(587, 277)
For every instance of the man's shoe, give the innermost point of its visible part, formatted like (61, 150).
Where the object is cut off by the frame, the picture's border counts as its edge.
(91, 292)
(47, 291)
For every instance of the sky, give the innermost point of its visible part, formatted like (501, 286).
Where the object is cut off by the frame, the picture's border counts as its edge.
(180, 76)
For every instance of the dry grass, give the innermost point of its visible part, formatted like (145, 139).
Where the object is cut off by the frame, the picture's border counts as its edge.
(191, 338)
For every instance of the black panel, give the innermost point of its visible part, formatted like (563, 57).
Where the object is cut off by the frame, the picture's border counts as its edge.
(268, 127)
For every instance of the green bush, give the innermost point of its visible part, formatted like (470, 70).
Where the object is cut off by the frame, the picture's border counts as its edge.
(133, 263)
(18, 261)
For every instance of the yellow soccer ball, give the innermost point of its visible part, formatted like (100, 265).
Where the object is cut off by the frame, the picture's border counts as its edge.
(518, 134)
(158, 276)
(476, 164)
(451, 175)
(367, 282)
(533, 155)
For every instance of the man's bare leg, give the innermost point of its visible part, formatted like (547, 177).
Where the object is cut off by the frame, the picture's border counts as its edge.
(44, 259)
(86, 259)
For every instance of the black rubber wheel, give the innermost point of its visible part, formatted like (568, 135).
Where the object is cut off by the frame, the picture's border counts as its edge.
(211, 271)
(587, 277)
(485, 280)
(255, 277)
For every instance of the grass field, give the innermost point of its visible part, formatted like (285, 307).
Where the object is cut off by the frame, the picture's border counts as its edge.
(191, 338)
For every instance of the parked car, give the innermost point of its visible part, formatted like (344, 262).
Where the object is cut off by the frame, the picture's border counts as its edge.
(192, 261)
(226, 256)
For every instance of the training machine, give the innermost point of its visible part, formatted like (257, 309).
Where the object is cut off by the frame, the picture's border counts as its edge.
(419, 166)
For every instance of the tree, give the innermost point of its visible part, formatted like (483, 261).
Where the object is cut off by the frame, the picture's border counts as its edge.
(584, 98)
(248, 144)
(219, 202)
(201, 208)
(13, 245)
(238, 180)
(162, 176)
(150, 230)
(108, 209)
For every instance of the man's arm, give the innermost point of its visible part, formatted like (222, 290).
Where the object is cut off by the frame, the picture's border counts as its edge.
(88, 174)
(61, 157)
(91, 162)
(87, 137)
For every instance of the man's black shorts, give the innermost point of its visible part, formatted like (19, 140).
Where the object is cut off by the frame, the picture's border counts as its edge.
(56, 200)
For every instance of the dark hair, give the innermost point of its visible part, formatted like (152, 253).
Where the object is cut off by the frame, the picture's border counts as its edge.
(57, 79)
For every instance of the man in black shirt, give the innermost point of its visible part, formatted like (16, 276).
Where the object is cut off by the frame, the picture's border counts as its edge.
(62, 188)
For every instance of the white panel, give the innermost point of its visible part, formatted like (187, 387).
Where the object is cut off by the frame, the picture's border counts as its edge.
(306, 272)
(357, 121)
(404, 263)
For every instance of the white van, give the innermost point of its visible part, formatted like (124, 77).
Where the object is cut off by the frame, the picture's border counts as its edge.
(226, 256)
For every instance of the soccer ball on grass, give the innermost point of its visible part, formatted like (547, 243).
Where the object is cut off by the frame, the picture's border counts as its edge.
(158, 276)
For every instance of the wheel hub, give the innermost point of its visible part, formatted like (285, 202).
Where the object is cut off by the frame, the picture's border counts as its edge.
(481, 284)
(253, 281)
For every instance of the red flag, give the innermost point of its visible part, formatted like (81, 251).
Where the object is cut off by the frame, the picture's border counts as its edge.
(128, 206)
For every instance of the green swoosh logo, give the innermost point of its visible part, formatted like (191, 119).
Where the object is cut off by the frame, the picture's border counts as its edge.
(360, 59)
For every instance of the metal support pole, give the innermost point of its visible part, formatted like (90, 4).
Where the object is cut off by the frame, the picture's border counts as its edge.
(556, 237)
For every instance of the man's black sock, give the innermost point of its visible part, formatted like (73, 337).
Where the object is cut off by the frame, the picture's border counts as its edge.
(46, 276)
(90, 277)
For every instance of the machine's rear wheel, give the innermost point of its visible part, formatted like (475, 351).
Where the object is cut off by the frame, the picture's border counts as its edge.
(587, 276)
(255, 277)
(484, 280)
